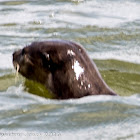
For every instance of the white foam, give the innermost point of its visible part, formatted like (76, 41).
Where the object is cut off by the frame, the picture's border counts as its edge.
(128, 54)
(101, 13)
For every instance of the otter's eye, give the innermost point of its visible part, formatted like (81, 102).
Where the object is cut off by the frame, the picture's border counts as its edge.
(23, 52)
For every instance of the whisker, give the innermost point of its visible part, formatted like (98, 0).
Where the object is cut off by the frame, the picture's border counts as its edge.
(17, 70)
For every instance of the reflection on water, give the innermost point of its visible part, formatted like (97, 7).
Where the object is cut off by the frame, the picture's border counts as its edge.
(110, 31)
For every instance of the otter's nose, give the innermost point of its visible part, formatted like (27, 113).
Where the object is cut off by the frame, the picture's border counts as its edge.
(16, 54)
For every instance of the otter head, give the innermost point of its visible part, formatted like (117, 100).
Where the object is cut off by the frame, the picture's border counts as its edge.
(30, 62)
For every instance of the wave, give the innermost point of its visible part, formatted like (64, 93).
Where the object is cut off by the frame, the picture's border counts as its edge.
(132, 55)
(18, 92)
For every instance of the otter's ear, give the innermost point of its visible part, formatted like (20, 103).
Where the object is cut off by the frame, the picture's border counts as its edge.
(51, 60)
(52, 57)
(46, 55)
(45, 58)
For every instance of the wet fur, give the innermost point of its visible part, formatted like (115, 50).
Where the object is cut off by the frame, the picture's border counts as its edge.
(51, 63)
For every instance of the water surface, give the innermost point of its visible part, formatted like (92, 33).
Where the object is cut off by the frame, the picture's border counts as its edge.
(110, 32)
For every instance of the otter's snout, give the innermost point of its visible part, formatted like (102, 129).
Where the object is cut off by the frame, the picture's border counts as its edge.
(16, 56)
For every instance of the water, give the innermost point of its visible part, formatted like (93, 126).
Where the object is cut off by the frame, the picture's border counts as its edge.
(110, 32)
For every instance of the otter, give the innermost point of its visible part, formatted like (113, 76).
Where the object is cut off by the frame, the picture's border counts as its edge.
(63, 67)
